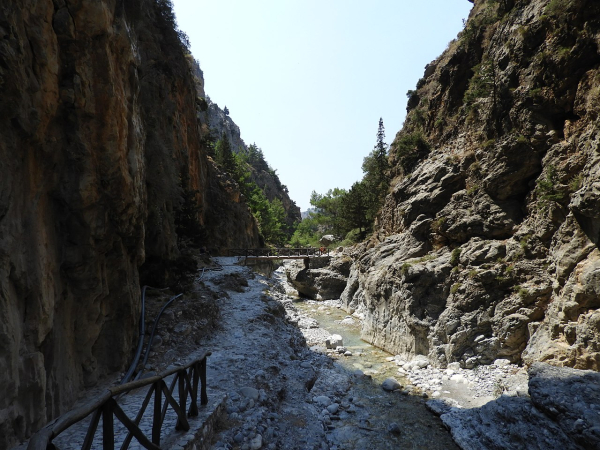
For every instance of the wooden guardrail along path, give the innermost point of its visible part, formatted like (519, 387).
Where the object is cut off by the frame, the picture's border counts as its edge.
(280, 253)
(187, 378)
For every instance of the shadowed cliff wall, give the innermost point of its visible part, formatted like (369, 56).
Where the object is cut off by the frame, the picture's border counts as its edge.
(97, 129)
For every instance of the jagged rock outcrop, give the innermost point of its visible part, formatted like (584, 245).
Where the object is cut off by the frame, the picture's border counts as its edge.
(487, 244)
(324, 279)
(560, 412)
(98, 130)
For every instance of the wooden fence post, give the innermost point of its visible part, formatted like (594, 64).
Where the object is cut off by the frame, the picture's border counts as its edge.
(157, 419)
(108, 429)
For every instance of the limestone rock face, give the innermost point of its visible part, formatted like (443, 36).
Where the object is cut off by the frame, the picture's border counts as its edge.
(487, 244)
(97, 128)
(320, 283)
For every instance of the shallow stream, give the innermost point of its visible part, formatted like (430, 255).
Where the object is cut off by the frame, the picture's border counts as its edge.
(383, 420)
(365, 357)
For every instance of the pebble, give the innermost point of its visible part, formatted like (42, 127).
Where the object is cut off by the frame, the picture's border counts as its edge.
(249, 392)
(333, 408)
(484, 380)
(322, 400)
(391, 384)
(256, 443)
(394, 428)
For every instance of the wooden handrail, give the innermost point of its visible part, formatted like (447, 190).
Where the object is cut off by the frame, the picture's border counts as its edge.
(105, 405)
(283, 252)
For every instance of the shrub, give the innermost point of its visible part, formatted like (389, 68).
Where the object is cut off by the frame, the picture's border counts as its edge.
(524, 242)
(546, 187)
(411, 148)
(404, 268)
(522, 140)
(472, 190)
(489, 144)
(475, 167)
(455, 287)
(575, 183)
(521, 291)
(437, 224)
(455, 256)
(557, 7)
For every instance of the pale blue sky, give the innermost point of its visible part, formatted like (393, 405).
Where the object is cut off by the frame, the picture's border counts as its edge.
(307, 81)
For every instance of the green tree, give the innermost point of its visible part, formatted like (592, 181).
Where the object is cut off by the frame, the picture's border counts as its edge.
(339, 211)
(376, 179)
(307, 232)
(256, 158)
(355, 207)
(485, 84)
(224, 154)
(409, 149)
(329, 208)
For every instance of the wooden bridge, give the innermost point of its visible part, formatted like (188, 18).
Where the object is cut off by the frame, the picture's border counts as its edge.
(271, 254)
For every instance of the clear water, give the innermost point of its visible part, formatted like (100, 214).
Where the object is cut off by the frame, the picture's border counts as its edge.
(371, 360)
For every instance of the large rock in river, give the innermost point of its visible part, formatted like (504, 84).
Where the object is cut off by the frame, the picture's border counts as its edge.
(320, 283)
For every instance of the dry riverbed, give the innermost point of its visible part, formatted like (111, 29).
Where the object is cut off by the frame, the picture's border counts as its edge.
(284, 395)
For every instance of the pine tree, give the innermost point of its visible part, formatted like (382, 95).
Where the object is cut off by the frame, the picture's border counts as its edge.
(224, 154)
(376, 180)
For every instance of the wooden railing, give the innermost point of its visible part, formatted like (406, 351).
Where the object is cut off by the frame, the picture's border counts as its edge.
(279, 252)
(186, 378)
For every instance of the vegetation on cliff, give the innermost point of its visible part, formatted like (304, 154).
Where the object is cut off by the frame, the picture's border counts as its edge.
(349, 214)
(270, 215)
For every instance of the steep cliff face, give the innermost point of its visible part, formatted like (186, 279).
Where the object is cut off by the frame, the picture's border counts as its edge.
(97, 129)
(217, 124)
(487, 245)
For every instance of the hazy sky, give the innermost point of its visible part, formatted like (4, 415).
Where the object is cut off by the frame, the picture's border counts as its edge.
(308, 80)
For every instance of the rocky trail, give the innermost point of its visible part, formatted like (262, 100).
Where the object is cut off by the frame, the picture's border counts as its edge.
(274, 384)
(281, 394)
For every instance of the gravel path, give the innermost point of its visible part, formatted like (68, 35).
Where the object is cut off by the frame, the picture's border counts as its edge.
(281, 395)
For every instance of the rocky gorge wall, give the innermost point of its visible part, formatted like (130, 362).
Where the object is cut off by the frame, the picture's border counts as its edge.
(99, 140)
(487, 244)
(217, 123)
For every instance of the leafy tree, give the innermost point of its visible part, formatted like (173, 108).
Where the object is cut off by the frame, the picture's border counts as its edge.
(256, 158)
(485, 84)
(329, 208)
(269, 215)
(355, 208)
(307, 232)
(341, 212)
